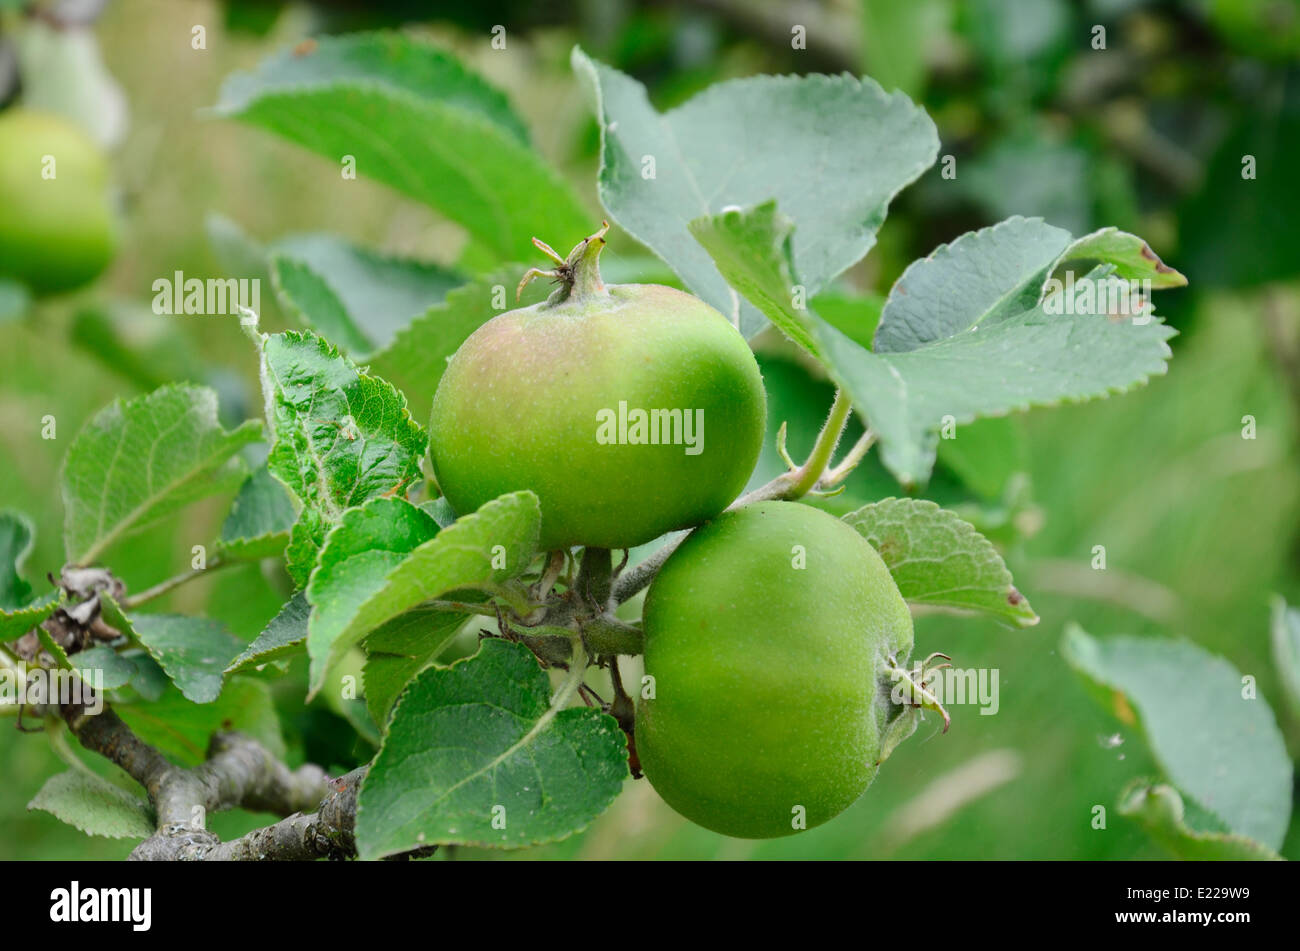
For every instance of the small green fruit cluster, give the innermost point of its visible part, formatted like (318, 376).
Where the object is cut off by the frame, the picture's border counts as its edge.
(770, 631)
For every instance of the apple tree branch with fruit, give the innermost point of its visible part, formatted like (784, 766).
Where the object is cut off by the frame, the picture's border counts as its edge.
(526, 471)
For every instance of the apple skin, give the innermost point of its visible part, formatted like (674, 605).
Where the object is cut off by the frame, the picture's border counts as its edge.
(520, 402)
(56, 234)
(770, 691)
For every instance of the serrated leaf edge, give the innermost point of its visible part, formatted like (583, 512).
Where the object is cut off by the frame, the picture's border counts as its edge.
(549, 715)
(334, 653)
(119, 405)
(962, 528)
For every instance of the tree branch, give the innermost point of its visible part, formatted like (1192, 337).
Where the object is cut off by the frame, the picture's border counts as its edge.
(837, 474)
(157, 591)
(326, 833)
(106, 734)
(238, 772)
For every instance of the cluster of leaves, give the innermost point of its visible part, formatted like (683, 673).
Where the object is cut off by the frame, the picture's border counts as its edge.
(377, 561)
(1102, 112)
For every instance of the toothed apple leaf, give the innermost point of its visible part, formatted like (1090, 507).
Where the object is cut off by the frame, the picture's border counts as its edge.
(938, 558)
(479, 753)
(832, 150)
(978, 346)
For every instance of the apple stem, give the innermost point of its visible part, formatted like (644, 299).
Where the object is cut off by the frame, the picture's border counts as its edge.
(836, 475)
(582, 270)
(578, 275)
(920, 696)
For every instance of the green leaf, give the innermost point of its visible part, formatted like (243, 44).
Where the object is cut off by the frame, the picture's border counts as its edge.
(389, 556)
(304, 545)
(260, 519)
(95, 806)
(1133, 258)
(355, 297)
(149, 681)
(1220, 748)
(833, 151)
(192, 651)
(483, 740)
(285, 635)
(141, 460)
(449, 139)
(16, 538)
(401, 649)
(181, 729)
(14, 624)
(418, 355)
(113, 669)
(359, 553)
(936, 558)
(753, 253)
(358, 717)
(1159, 809)
(998, 272)
(308, 296)
(441, 511)
(1285, 630)
(982, 277)
(897, 37)
(342, 437)
(1003, 360)
(1034, 359)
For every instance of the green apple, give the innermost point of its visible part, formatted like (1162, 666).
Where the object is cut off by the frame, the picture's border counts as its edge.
(770, 635)
(56, 230)
(630, 410)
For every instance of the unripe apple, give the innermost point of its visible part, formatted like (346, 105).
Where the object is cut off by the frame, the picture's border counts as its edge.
(770, 635)
(630, 410)
(56, 223)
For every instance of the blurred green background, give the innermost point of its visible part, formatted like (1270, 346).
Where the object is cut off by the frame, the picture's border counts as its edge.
(1199, 524)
